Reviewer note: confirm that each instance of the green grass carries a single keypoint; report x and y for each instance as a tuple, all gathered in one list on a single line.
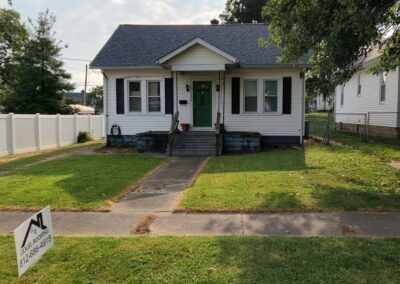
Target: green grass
[(385, 148), (317, 177), (12, 162), (209, 260), (75, 182)]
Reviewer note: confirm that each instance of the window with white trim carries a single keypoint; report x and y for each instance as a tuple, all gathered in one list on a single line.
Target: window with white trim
[(135, 96), (250, 95), (382, 92), (153, 96), (270, 96), (359, 85), (341, 95)]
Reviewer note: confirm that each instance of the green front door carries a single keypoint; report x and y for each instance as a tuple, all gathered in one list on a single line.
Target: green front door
[(202, 104)]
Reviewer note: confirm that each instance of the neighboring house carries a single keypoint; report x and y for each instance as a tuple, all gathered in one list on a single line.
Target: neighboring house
[(319, 103), (83, 110), (231, 93), (370, 100), (82, 104), (78, 97)]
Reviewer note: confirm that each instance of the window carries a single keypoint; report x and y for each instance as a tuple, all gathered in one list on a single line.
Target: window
[(270, 96), (382, 93), (153, 96), (359, 85), (250, 95), (341, 95), (135, 97)]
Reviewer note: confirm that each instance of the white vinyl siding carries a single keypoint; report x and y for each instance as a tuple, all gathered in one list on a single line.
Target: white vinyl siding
[(370, 100), (382, 90), (269, 124)]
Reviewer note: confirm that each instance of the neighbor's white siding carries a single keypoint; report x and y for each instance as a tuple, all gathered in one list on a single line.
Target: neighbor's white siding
[(354, 105), (274, 124)]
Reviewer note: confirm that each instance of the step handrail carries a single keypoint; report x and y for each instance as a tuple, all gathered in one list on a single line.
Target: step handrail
[(172, 132)]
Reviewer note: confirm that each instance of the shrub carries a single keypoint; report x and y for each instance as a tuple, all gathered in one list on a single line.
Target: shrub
[(84, 136)]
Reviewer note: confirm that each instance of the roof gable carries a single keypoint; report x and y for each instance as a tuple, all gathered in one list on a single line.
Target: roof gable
[(195, 47)]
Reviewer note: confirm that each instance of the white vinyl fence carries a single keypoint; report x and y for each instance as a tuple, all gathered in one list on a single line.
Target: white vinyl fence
[(30, 132)]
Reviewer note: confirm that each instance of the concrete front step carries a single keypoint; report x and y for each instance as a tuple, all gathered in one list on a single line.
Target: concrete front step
[(193, 152)]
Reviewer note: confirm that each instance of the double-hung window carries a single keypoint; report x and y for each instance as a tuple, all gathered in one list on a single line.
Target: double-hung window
[(382, 93), (270, 96), (135, 96), (250, 95), (153, 96)]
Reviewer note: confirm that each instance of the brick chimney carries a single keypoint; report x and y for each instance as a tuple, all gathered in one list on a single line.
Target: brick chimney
[(214, 22)]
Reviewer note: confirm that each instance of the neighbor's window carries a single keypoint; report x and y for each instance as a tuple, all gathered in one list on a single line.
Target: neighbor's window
[(250, 95), (135, 97), (153, 96), (270, 96), (382, 94), (341, 95), (359, 85)]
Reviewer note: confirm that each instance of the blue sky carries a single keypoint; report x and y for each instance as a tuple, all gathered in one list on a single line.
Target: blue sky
[(85, 25)]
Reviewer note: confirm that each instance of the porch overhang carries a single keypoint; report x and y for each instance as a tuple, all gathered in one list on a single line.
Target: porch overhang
[(198, 67)]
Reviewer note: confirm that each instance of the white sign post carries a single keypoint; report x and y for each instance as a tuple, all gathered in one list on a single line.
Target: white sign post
[(33, 238)]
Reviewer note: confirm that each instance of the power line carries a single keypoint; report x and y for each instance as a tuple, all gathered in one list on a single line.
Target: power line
[(76, 59), (73, 68)]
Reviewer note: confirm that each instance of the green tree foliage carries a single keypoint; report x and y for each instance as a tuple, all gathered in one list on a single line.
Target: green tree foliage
[(96, 96), (40, 77), (13, 35), (243, 11), (338, 32)]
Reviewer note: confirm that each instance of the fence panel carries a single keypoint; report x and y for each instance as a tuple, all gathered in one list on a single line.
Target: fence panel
[(26, 132)]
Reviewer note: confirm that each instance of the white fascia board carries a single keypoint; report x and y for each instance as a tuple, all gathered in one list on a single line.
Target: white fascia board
[(192, 43), (198, 67)]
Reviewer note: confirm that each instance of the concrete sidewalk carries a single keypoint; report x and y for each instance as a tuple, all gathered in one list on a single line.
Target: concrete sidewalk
[(286, 224)]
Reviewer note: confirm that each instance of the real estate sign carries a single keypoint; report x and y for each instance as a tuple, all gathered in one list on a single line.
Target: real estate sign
[(33, 238)]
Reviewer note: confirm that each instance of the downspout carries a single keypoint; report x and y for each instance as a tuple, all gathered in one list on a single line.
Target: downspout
[(105, 102), (223, 102), (303, 105), (398, 100)]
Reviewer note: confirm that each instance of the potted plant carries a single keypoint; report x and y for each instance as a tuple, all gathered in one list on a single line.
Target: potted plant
[(185, 127)]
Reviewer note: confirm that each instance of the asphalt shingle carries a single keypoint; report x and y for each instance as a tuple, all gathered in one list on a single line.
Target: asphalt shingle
[(143, 45)]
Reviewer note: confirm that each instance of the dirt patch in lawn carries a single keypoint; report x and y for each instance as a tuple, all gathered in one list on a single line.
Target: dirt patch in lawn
[(116, 150), (395, 164)]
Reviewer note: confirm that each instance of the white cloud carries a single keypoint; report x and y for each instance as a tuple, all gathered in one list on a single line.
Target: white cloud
[(86, 25), (118, 2)]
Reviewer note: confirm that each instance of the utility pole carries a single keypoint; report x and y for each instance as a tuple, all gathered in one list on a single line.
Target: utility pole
[(84, 95)]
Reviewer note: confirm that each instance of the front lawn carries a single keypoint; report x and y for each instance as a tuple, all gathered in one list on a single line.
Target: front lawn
[(80, 182), (315, 178), (209, 260)]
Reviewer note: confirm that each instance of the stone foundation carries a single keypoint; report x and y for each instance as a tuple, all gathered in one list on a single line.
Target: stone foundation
[(280, 141), (241, 142)]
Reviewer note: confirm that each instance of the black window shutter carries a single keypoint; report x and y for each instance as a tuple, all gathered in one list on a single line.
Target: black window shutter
[(169, 96), (120, 96), (235, 95), (287, 95)]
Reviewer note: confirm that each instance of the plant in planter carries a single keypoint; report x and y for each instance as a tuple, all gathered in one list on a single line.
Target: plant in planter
[(185, 127)]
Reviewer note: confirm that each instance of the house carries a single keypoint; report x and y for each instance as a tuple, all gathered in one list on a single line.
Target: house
[(76, 97), (319, 103), (369, 103), (230, 93)]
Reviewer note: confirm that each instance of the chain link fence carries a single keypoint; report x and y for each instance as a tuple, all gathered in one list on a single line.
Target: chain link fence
[(347, 127)]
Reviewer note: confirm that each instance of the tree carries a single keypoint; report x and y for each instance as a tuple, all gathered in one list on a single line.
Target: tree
[(96, 96), (40, 77), (243, 11), (339, 33), (13, 36)]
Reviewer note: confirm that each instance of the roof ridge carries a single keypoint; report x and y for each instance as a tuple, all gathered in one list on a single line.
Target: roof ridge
[(192, 25)]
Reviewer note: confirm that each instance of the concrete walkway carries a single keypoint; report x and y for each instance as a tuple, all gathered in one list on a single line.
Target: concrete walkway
[(157, 195)]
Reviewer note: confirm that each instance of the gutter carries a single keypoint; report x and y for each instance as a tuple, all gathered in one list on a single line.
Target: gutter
[(105, 103), (303, 105)]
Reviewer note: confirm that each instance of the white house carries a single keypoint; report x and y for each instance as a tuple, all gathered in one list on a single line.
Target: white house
[(222, 85), (368, 99), (319, 103)]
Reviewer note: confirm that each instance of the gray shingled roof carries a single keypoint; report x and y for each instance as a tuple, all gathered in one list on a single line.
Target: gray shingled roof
[(143, 45)]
